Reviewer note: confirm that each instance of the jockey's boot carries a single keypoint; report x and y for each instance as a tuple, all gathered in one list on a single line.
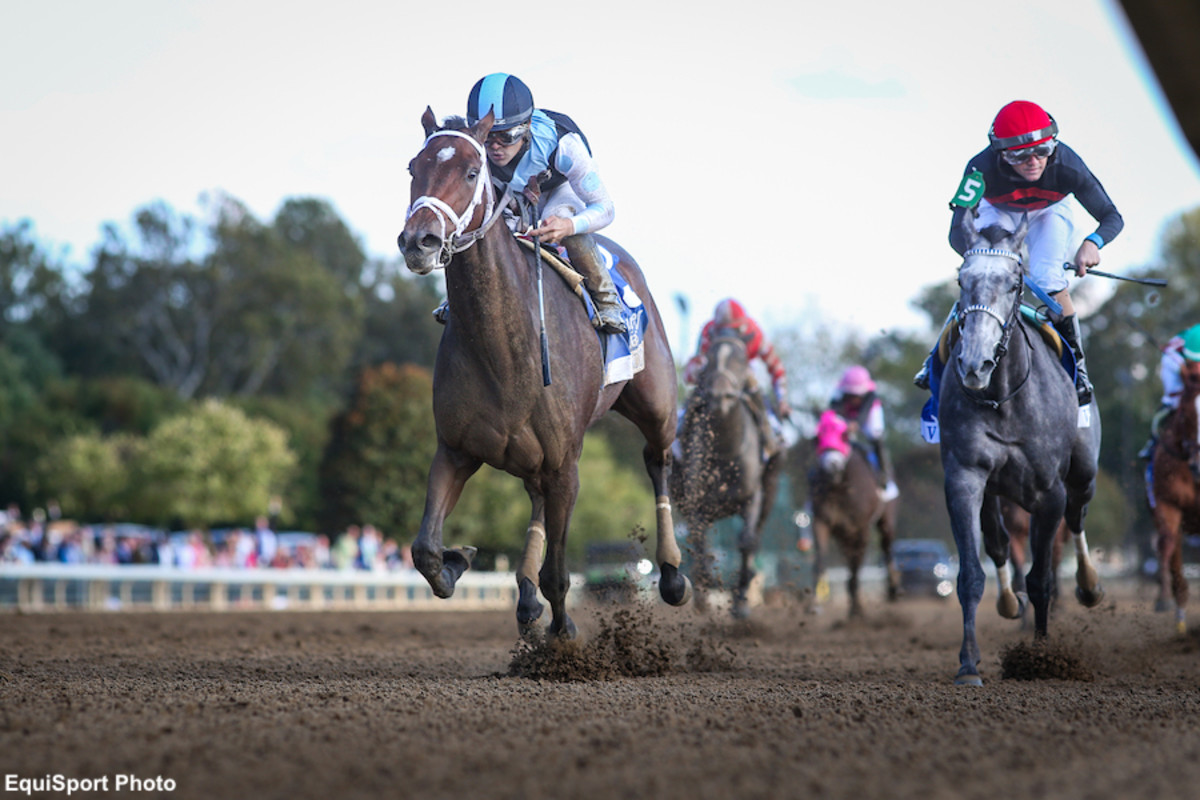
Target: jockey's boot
[(921, 379), (587, 260), (441, 312), (1068, 329), (885, 476)]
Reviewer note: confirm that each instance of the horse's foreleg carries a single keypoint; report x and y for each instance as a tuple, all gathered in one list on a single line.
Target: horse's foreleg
[(1171, 581), (560, 494), (964, 498), (529, 610), (887, 535), (820, 583), (1088, 590), (441, 567), (747, 546), (673, 585), (1043, 528)]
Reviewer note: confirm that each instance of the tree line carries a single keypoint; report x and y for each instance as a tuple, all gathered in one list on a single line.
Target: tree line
[(198, 372)]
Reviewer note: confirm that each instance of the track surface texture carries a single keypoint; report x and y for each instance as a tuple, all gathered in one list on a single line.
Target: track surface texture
[(650, 702)]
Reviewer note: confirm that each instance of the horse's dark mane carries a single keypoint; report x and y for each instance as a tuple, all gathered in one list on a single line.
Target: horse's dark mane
[(454, 123)]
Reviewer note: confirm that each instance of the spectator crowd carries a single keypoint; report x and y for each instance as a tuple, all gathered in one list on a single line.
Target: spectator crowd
[(45, 537)]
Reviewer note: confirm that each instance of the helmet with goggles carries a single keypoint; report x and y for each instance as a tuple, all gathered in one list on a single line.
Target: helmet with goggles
[(1191, 343), (506, 96), (1023, 129)]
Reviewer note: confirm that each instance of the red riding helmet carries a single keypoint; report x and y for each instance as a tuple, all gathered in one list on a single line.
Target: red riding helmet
[(729, 312), (1021, 124)]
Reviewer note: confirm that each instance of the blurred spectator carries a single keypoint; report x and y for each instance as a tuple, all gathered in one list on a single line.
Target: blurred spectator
[(264, 539), (370, 556), (14, 549), (345, 550), (106, 549)]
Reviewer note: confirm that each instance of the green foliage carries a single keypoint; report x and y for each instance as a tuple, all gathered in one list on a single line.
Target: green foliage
[(375, 466), (212, 464), (91, 474)]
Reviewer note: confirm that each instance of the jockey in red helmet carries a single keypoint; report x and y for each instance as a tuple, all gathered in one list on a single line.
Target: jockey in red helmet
[(856, 402), (729, 314), (1026, 170)]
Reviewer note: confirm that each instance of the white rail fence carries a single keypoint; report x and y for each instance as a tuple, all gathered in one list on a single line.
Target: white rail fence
[(59, 587)]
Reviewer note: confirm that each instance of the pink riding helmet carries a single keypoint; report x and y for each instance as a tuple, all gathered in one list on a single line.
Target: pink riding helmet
[(856, 380)]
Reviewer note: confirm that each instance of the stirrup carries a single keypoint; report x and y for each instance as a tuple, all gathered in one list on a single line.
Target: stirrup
[(608, 320), (1084, 391)]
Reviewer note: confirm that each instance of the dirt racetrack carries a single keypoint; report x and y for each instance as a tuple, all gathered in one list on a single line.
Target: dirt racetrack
[(425, 705)]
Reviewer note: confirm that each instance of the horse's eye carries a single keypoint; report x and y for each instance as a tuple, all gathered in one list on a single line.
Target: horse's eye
[(410, 166), (472, 174)]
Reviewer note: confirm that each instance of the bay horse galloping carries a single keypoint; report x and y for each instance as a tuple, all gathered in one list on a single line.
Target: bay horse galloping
[(489, 399), (723, 469), (1176, 470), (846, 505), (1011, 426)]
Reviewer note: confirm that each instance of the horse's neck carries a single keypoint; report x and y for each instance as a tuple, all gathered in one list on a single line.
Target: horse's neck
[(1186, 426), (491, 292)]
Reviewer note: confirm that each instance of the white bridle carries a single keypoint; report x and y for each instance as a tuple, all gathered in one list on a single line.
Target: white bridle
[(977, 307), (445, 213)]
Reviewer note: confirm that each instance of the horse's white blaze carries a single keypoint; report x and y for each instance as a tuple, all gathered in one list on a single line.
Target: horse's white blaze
[(445, 154)]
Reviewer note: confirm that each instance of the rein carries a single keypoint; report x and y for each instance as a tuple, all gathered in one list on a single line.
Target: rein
[(1006, 325), (460, 239)]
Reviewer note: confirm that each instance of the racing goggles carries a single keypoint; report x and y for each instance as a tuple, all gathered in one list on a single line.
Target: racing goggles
[(1022, 154), (508, 137)]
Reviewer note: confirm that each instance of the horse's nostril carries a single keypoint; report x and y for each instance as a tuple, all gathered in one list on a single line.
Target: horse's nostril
[(431, 242)]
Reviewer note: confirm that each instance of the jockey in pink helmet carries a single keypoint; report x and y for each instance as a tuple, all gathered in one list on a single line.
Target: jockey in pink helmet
[(856, 402), (730, 315)]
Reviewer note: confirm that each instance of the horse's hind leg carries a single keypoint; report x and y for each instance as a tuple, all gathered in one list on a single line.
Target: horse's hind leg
[(441, 567), (673, 585), (996, 545)]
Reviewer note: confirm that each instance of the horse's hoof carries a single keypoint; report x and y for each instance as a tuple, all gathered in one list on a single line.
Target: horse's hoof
[(1008, 605), (529, 610), (1181, 628), (1161, 605), (1089, 599), (741, 610), (968, 679), (673, 585), (564, 630)]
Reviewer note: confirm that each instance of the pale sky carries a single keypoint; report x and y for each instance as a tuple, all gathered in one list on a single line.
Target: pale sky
[(798, 156)]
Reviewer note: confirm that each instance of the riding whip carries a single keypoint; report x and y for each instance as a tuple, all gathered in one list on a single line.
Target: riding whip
[(537, 250), (1093, 271)]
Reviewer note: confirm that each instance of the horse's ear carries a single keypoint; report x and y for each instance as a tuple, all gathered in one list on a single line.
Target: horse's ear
[(968, 227), (481, 129), (1019, 234), (429, 121)]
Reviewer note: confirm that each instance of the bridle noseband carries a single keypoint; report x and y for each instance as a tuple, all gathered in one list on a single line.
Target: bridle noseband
[(460, 239)]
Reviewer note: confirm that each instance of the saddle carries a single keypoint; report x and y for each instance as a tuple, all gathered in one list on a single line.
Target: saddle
[(624, 353)]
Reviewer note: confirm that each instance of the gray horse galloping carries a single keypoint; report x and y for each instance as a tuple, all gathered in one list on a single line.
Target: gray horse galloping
[(1011, 427)]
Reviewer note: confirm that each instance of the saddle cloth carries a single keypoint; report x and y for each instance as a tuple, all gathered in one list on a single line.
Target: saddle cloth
[(624, 353), (930, 428)]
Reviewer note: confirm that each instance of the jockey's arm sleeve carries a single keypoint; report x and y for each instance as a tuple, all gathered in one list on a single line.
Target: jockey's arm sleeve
[(577, 164)]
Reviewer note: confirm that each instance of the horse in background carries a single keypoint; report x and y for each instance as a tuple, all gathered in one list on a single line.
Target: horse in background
[(1176, 506), (846, 505), (1011, 426), (723, 467), (493, 400)]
